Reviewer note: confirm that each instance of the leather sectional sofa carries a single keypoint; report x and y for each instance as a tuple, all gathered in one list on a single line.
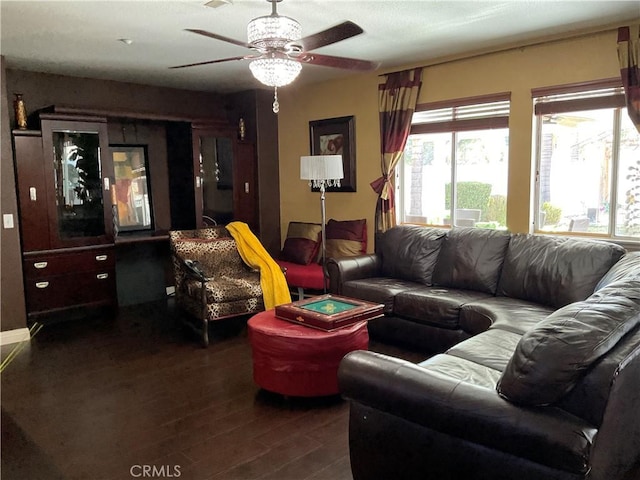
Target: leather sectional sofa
[(539, 371)]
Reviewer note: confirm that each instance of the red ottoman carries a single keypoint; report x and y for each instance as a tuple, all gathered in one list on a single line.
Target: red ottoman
[(300, 361)]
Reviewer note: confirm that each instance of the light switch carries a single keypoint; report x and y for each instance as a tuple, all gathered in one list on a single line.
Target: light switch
[(7, 220)]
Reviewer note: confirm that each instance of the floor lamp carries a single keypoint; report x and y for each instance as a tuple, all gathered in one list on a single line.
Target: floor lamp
[(322, 171)]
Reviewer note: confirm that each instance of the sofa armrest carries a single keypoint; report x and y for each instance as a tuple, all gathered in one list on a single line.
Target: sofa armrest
[(460, 409), (343, 269)]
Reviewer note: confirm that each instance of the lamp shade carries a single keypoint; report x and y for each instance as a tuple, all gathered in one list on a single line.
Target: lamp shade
[(321, 167)]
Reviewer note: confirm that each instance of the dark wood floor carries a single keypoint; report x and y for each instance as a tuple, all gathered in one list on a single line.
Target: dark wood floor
[(105, 398)]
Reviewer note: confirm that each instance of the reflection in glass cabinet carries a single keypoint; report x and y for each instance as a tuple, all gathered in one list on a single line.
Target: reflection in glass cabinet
[(78, 184), (131, 187), (216, 168)]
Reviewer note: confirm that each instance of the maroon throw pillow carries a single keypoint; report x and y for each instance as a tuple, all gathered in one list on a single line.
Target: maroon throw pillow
[(299, 250), (346, 238)]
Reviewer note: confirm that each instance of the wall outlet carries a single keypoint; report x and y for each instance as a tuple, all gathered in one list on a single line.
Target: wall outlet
[(171, 290), (7, 220)]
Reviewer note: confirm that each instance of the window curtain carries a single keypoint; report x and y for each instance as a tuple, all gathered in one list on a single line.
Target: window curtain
[(628, 54), (397, 97)]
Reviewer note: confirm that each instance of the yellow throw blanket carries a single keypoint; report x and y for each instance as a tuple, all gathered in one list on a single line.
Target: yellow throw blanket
[(275, 290)]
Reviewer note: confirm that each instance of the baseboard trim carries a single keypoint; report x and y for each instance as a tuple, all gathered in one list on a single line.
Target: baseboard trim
[(14, 336)]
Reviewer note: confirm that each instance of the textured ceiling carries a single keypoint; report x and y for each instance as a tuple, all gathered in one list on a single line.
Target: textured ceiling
[(81, 38)]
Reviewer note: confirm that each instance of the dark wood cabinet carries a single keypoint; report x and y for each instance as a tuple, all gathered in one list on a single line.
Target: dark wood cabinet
[(32, 191), (64, 179), (65, 176), (69, 277), (225, 181), (246, 186)]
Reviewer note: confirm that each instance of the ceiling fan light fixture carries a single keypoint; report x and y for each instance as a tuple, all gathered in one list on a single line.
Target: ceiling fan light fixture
[(275, 71), (279, 49), (273, 31)]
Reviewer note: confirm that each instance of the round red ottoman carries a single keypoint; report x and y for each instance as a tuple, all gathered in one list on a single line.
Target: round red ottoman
[(300, 361)]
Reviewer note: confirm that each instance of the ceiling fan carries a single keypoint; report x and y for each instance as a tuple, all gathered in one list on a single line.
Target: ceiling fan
[(279, 50)]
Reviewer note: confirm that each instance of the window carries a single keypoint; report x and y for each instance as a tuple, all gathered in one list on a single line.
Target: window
[(587, 162), (455, 164)]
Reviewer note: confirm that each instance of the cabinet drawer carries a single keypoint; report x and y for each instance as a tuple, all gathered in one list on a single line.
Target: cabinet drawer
[(62, 291), (38, 266)]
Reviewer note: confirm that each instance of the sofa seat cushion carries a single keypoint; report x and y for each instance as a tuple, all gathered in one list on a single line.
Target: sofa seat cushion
[(492, 349), (555, 271), (510, 314), (303, 276), (471, 259), (435, 306), (215, 311), (410, 252), (551, 357), (378, 290), (224, 288)]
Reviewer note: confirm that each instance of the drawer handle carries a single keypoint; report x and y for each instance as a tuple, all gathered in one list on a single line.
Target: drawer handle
[(102, 276), (42, 284), (40, 264), (101, 258)]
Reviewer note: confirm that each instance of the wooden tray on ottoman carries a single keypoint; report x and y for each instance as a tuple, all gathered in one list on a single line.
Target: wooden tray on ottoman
[(328, 312)]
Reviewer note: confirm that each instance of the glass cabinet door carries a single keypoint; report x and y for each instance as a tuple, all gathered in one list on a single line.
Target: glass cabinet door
[(214, 152), (225, 177), (78, 184), (216, 168), (81, 210)]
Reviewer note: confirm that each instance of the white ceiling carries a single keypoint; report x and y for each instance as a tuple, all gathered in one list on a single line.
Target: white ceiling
[(80, 38)]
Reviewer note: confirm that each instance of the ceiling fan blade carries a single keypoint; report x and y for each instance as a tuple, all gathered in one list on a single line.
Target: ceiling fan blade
[(215, 36), (211, 61), (337, 62), (330, 35)]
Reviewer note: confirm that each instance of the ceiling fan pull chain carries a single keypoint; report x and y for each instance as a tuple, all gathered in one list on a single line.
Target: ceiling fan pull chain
[(276, 105)]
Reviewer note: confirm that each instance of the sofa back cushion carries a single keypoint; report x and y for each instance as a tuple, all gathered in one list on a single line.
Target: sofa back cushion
[(410, 252), (590, 397), (217, 256), (555, 271), (207, 233), (627, 267), (550, 358), (471, 259)]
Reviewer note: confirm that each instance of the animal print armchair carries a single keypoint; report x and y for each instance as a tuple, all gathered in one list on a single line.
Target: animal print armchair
[(212, 282)]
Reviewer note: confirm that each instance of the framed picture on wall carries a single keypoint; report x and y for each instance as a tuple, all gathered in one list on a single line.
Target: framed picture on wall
[(336, 136), (131, 192)]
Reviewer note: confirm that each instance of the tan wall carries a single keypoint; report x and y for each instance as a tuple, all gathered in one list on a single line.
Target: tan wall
[(516, 71)]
